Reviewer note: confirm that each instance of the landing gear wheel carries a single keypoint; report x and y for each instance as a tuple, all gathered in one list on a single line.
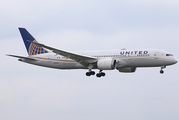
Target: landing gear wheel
[(102, 74), (88, 74), (92, 73), (161, 71), (98, 75)]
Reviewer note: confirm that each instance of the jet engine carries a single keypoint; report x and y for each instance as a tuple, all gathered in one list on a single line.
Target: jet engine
[(106, 64), (127, 69)]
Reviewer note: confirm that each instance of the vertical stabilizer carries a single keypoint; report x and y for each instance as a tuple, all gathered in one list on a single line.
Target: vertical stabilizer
[(32, 49)]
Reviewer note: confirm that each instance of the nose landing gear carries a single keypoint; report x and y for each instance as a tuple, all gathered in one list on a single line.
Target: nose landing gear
[(161, 71)]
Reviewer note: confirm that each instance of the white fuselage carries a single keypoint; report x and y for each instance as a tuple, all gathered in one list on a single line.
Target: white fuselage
[(124, 58)]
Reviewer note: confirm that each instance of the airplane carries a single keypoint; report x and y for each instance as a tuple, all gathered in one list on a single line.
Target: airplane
[(123, 60)]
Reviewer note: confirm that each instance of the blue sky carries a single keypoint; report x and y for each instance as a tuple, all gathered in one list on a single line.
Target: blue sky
[(32, 92)]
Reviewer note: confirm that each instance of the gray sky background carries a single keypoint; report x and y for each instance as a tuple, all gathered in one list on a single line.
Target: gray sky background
[(31, 92)]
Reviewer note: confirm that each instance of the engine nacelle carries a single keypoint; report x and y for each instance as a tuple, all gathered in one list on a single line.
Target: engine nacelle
[(106, 64), (127, 69)]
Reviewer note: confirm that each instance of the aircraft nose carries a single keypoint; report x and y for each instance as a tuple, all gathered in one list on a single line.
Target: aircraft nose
[(175, 61)]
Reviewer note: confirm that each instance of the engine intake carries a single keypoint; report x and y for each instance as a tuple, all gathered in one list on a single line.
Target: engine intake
[(106, 64)]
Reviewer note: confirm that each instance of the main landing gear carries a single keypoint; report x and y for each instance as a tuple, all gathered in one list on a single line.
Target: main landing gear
[(90, 73), (161, 71), (100, 74)]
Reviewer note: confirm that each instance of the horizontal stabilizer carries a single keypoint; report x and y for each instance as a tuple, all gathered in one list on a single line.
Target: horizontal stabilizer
[(22, 57)]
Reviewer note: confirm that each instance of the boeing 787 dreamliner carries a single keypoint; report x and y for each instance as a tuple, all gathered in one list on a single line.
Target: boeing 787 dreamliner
[(124, 60)]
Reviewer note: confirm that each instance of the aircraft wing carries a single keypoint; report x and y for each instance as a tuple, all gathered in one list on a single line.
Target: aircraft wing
[(27, 58), (85, 60)]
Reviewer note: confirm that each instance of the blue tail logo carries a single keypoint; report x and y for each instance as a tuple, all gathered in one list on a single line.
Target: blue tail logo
[(32, 49)]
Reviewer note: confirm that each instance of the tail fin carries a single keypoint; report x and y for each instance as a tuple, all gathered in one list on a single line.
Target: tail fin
[(32, 49)]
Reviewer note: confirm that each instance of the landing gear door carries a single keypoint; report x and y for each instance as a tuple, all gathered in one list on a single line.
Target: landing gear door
[(156, 55)]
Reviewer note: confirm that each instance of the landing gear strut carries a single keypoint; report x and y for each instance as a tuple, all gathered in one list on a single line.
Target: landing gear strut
[(161, 71), (100, 74)]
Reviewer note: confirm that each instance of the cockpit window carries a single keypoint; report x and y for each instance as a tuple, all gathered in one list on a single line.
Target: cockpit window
[(169, 55)]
